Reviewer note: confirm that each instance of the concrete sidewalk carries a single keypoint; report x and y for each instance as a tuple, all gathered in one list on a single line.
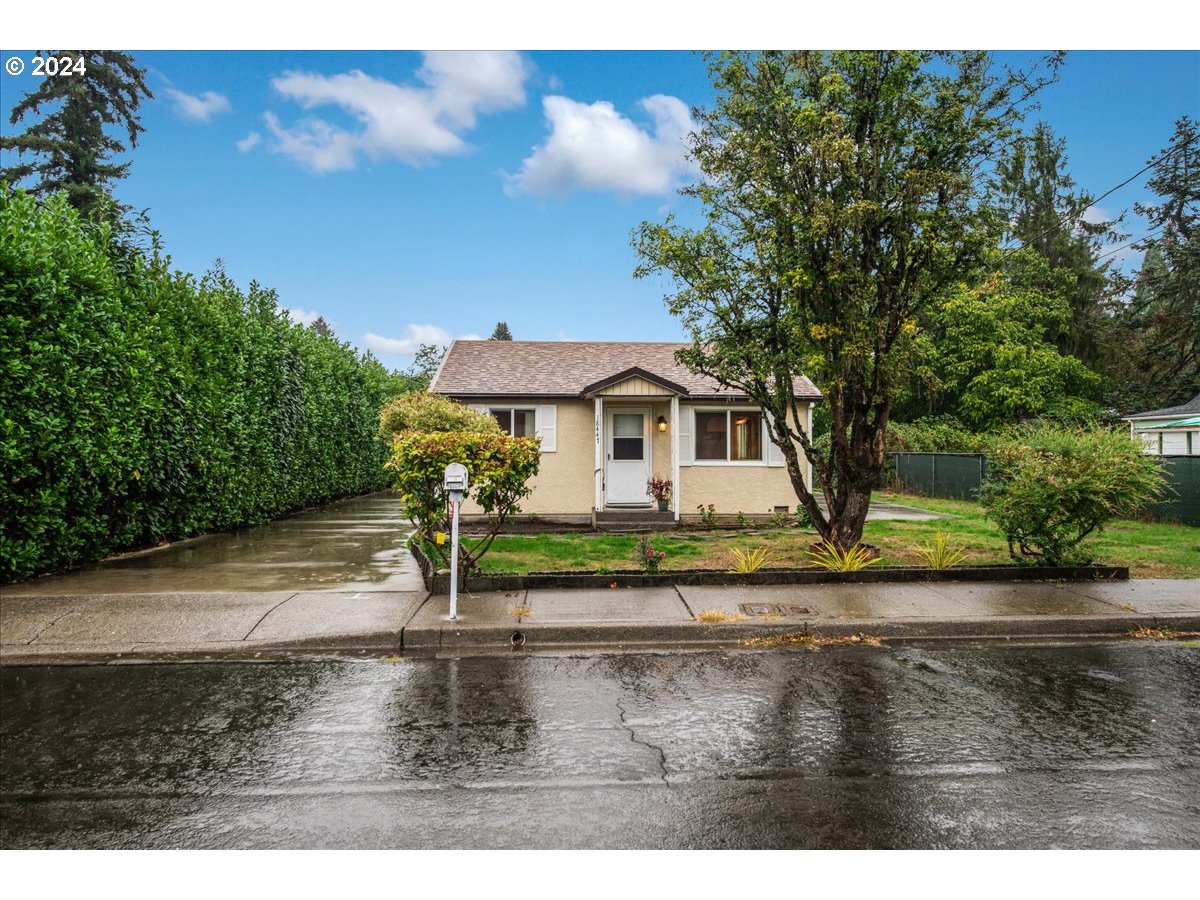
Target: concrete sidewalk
[(39, 628), (671, 615)]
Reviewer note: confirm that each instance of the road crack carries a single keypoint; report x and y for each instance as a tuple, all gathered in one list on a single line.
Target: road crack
[(662, 756), (44, 629), (267, 613)]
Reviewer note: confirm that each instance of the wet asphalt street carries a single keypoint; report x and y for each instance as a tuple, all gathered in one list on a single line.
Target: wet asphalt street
[(1079, 746)]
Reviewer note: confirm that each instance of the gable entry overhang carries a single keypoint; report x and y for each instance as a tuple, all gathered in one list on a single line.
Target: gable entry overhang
[(633, 373)]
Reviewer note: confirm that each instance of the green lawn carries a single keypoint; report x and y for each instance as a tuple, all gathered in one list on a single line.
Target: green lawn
[(1150, 550)]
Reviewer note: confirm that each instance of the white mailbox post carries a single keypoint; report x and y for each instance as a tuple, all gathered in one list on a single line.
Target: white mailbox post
[(455, 483)]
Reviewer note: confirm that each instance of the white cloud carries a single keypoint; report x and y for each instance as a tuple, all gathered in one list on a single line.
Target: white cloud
[(303, 316), (414, 336), (249, 142), (199, 107), (594, 147), (411, 123), (1094, 215)]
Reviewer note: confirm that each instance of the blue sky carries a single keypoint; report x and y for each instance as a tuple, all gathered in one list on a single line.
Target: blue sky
[(411, 198)]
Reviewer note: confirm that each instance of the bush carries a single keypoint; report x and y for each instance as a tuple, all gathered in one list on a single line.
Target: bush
[(422, 411), (1048, 488), (139, 405), (648, 557), (499, 468), (932, 435)]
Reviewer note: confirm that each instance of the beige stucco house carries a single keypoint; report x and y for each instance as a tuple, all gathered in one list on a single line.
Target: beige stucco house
[(612, 415)]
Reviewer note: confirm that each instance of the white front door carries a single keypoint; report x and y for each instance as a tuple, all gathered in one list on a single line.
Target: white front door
[(627, 457)]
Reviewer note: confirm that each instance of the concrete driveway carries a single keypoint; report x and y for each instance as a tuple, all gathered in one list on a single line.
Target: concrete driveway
[(338, 577)]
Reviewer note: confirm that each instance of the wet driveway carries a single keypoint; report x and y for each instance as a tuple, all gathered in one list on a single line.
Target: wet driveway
[(350, 545), (1080, 746)]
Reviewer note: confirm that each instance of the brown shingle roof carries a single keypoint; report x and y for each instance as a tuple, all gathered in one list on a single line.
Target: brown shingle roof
[(566, 368)]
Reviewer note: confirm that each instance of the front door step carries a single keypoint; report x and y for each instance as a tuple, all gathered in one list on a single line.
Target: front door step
[(629, 519)]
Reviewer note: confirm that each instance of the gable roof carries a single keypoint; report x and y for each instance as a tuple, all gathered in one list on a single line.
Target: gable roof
[(1192, 407), (574, 369)]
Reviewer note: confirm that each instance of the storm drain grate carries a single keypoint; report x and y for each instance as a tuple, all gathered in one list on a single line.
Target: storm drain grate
[(772, 609)]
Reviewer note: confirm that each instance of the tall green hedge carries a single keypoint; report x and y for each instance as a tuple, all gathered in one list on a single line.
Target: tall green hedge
[(139, 404)]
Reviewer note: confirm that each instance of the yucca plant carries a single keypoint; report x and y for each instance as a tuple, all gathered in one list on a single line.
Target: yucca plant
[(939, 554), (830, 556), (746, 562)]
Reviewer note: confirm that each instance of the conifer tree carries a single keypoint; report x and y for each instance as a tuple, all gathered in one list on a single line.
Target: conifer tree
[(69, 148)]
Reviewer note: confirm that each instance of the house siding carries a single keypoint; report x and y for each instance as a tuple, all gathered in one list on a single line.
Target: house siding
[(634, 387), (753, 490), (1174, 441), (564, 488)]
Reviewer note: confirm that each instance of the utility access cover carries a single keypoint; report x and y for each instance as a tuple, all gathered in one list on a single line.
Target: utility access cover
[(773, 609)]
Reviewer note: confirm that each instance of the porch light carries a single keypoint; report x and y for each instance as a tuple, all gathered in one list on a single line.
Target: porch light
[(662, 423)]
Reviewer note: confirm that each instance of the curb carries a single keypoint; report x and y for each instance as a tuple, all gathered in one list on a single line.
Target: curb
[(499, 639)]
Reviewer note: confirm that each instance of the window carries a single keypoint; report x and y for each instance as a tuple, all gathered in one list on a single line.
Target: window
[(517, 422), (745, 436), (729, 436), (627, 441)]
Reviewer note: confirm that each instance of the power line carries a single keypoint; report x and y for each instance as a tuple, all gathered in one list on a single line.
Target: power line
[(1148, 234), (1063, 220)]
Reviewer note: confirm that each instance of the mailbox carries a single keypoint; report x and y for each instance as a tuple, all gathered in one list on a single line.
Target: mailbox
[(455, 480)]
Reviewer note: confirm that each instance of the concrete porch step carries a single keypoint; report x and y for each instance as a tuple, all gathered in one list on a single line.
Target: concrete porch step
[(634, 515), (631, 519)]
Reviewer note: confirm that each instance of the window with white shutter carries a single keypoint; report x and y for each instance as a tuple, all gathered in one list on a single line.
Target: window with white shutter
[(683, 433), (547, 427)]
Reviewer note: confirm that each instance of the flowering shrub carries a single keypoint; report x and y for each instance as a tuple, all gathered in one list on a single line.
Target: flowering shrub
[(500, 468), (647, 556), (659, 488)]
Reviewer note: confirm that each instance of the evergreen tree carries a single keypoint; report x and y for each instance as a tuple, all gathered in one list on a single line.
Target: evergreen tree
[(1157, 336), (72, 148), (322, 328), (1046, 214), (501, 332)]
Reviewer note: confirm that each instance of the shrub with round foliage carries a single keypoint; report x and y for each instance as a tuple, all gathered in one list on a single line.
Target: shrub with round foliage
[(422, 411), (499, 469), (1048, 488)]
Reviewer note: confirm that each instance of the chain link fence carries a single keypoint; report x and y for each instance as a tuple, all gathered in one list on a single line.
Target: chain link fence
[(954, 476), (957, 476), (1182, 500)]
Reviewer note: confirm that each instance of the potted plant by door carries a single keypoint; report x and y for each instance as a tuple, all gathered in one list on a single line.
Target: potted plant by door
[(660, 490)]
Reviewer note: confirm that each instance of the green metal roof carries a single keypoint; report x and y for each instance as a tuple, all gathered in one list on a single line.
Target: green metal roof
[(1193, 422)]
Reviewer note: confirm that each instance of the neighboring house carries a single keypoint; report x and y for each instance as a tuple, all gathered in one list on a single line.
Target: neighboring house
[(1174, 431), (612, 415)]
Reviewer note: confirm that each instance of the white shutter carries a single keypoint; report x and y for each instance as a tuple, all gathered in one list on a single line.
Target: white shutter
[(547, 427), (683, 433), (774, 453)]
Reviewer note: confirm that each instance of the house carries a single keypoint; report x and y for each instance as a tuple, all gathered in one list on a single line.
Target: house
[(612, 415), (1174, 431)]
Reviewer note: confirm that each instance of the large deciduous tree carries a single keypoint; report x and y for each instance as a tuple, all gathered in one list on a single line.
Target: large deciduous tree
[(71, 148), (986, 352), (842, 192)]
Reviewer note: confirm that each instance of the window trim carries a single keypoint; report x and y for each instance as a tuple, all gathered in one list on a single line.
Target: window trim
[(761, 462), (491, 410)]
